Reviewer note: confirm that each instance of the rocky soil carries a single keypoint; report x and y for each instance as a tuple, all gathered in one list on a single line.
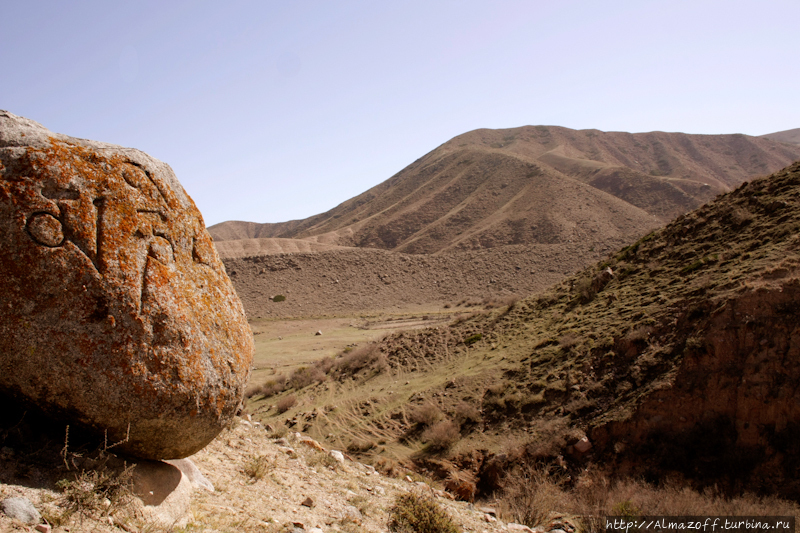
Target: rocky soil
[(251, 480), (352, 281)]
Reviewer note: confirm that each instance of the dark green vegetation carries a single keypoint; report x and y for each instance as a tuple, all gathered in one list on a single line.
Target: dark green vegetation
[(676, 357)]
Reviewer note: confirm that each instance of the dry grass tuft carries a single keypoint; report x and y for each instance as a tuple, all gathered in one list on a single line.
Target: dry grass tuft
[(531, 493), (258, 466), (413, 513), (98, 492)]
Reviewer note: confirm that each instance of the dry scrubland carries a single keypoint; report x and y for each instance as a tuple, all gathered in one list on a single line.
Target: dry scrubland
[(707, 304)]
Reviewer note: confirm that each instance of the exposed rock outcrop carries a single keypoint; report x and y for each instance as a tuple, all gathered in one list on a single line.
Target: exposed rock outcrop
[(117, 312)]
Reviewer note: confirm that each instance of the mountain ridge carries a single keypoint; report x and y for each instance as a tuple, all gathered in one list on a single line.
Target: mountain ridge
[(534, 184)]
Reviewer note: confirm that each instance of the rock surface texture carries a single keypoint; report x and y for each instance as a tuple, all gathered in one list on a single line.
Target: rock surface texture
[(117, 314)]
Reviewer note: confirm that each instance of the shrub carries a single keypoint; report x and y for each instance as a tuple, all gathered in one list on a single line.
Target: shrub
[(286, 403), (584, 289), (303, 377), (412, 513), (355, 360), (467, 413), (269, 388), (530, 494), (325, 364), (425, 415), (442, 435), (257, 466), (278, 298)]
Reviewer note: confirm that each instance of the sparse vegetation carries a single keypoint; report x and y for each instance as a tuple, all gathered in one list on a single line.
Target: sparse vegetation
[(304, 376), (532, 492), (271, 387), (467, 413), (425, 415), (286, 403), (258, 466), (441, 435), (100, 491), (413, 513)]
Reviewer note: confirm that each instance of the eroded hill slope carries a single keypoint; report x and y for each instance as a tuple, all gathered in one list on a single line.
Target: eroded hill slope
[(535, 185)]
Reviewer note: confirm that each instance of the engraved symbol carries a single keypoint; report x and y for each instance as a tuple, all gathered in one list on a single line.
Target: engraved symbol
[(45, 229)]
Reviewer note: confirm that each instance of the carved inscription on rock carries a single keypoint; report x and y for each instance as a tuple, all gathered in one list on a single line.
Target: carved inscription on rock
[(118, 309)]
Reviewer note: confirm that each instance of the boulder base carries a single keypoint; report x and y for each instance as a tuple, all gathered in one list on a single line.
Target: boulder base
[(117, 314)]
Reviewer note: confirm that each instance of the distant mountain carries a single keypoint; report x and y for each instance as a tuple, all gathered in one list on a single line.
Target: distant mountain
[(535, 185), (788, 136)]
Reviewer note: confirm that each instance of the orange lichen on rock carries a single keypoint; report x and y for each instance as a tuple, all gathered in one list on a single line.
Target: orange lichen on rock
[(131, 317)]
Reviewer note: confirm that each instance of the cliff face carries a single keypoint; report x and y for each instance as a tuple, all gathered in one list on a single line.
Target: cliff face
[(731, 412)]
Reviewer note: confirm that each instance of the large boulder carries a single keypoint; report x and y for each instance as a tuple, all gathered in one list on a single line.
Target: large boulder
[(116, 312)]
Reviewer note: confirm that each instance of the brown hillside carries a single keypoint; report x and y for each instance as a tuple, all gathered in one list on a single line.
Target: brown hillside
[(678, 358), (788, 136), (352, 281), (536, 185)]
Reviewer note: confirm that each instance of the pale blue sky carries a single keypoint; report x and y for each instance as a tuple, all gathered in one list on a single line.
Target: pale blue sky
[(277, 110)]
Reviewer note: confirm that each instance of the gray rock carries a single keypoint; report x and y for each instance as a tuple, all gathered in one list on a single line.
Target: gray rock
[(352, 513), (165, 493), (190, 470), (336, 454), (21, 509), (113, 295)]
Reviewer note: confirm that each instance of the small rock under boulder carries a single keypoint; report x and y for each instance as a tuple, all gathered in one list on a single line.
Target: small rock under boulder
[(117, 314), (21, 509)]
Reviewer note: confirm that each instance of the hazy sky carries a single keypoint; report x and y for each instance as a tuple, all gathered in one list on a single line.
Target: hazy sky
[(277, 110)]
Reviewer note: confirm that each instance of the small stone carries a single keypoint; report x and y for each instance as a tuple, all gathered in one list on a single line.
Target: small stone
[(583, 445), (488, 510), (288, 451), (21, 509), (339, 456), (311, 443), (43, 528), (319, 332), (519, 527), (308, 502), (351, 512)]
